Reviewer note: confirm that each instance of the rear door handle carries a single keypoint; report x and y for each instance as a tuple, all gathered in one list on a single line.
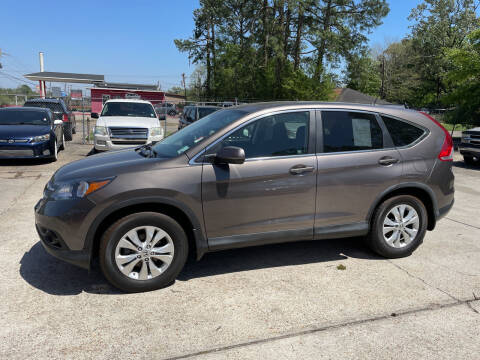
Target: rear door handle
[(387, 160), (300, 169)]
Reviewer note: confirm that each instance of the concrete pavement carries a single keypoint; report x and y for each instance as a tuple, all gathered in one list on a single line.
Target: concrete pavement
[(282, 301)]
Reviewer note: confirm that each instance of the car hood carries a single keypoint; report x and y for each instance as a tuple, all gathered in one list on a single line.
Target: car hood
[(128, 121), (109, 164), (22, 131)]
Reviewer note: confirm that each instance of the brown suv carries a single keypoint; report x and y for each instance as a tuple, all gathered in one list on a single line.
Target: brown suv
[(251, 175)]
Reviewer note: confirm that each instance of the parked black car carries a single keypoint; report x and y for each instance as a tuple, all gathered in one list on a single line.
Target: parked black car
[(470, 146), (60, 112), (251, 175), (30, 133), (194, 113)]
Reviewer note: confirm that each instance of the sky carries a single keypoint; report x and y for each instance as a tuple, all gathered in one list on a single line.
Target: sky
[(127, 41)]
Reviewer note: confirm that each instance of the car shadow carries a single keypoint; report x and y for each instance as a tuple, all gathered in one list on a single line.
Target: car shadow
[(24, 162), (463, 165), (277, 255), (56, 277)]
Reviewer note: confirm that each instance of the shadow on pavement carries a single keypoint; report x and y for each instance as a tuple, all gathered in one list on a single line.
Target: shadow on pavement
[(56, 277), (463, 165), (278, 255), (24, 162)]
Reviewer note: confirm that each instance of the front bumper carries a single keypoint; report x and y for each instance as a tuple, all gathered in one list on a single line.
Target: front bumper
[(25, 150), (105, 143), (62, 226), (469, 149)]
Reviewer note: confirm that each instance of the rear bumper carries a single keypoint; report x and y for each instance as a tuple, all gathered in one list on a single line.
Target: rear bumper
[(444, 210), (469, 149)]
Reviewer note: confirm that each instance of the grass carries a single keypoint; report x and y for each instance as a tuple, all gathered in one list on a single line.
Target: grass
[(341, 267)]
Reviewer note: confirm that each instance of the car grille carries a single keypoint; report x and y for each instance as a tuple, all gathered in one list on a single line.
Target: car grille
[(4, 153), (129, 142), (128, 133)]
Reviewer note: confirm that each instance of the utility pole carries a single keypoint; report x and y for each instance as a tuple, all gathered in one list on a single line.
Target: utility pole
[(42, 69), (184, 86)]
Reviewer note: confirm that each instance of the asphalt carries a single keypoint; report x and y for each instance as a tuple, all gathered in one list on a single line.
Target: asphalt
[(286, 301)]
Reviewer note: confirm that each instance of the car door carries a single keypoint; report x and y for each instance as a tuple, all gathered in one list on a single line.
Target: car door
[(357, 162), (271, 196)]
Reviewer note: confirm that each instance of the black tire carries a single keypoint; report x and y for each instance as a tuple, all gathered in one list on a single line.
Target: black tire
[(54, 156), (67, 129), (74, 129), (62, 147), (469, 160), (375, 238), (117, 230)]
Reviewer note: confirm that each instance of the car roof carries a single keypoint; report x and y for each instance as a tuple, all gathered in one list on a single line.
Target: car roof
[(286, 105), (26, 108), (46, 100), (129, 101)]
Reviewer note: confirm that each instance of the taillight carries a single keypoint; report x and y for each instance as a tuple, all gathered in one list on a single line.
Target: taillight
[(65, 118), (446, 152)]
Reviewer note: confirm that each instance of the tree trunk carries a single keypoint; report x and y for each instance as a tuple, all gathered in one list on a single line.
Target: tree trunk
[(298, 40), (323, 44), (265, 33)]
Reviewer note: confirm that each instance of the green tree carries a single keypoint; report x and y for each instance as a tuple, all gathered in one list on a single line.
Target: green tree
[(465, 79), (276, 49), (362, 74)]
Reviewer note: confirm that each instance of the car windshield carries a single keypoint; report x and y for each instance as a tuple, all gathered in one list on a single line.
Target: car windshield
[(23, 117), (202, 112), (196, 133), (128, 109)]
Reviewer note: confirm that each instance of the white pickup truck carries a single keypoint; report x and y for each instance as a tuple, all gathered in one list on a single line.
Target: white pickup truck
[(125, 123)]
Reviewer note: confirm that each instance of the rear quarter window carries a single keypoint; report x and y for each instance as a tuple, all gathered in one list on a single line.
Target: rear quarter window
[(401, 132)]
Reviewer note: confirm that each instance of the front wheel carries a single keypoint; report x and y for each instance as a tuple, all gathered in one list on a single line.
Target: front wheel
[(143, 251), (398, 227), (54, 151)]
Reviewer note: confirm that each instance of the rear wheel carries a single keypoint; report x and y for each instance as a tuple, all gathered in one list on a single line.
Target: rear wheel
[(143, 251), (470, 160), (399, 226), (67, 129)]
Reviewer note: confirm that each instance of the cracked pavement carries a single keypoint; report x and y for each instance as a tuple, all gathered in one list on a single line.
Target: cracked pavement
[(285, 301)]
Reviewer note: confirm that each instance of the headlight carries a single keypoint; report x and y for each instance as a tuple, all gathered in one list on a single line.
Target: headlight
[(156, 131), (41, 138), (101, 130), (74, 190)]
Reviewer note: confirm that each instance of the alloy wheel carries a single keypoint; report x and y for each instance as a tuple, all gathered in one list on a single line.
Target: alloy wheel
[(400, 226), (144, 252)]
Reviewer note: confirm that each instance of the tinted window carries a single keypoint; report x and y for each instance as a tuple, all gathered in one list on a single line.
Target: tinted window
[(401, 132), (23, 117), (202, 112), (128, 109), (350, 131), (275, 135), (196, 133)]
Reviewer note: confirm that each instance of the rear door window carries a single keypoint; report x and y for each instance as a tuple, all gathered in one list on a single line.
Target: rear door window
[(402, 133), (350, 131)]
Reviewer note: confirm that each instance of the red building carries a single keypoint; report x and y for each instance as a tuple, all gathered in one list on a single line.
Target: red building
[(100, 95)]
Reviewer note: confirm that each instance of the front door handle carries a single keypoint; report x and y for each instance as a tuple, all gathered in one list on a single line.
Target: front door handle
[(300, 169), (387, 160)]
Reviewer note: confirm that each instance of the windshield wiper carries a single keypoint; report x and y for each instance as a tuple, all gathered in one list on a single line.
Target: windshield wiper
[(148, 147)]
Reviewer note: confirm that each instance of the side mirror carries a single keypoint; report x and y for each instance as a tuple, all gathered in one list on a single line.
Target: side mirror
[(58, 122), (94, 115), (230, 155)]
